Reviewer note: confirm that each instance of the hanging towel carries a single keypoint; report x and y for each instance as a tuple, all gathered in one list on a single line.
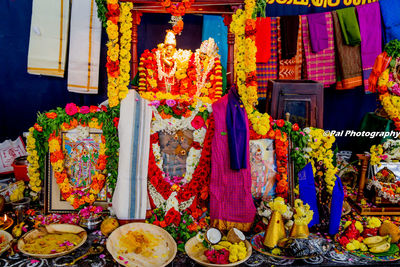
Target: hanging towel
[(382, 61), (348, 60), (48, 37), (319, 66), (318, 32), (290, 69), (236, 120), (390, 13), (336, 207), (231, 202), (130, 199), (214, 27), (349, 25), (84, 48), (268, 71), (263, 40), (369, 18), (308, 193), (290, 26)]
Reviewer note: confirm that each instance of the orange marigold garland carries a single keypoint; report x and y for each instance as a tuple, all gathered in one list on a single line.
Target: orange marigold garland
[(177, 10)]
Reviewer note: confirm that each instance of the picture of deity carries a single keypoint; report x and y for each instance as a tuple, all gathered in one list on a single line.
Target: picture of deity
[(81, 156), (263, 168)]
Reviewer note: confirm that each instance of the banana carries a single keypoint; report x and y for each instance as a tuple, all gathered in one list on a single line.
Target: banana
[(17, 230), (370, 241), (381, 248), (378, 244)]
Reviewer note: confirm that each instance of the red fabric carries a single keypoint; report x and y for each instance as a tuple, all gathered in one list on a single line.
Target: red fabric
[(263, 40)]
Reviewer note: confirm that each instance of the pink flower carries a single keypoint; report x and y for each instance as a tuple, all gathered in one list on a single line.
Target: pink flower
[(197, 122), (71, 109), (170, 102), (155, 103), (85, 110)]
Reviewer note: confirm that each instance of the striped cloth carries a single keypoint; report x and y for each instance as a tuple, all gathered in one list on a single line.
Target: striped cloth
[(130, 199), (319, 66), (84, 48), (48, 37), (231, 203), (371, 35), (290, 69), (268, 71)]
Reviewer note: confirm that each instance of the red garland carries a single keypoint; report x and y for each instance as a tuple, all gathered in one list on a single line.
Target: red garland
[(198, 186)]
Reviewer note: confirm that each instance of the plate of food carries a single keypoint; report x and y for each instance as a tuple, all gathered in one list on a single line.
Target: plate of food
[(292, 248), (141, 244), (5, 241), (52, 240), (371, 239), (215, 249)]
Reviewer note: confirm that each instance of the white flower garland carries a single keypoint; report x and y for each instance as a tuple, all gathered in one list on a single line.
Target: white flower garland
[(172, 125)]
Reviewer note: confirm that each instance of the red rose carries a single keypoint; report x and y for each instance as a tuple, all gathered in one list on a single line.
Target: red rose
[(116, 122), (280, 123), (172, 217), (344, 241), (177, 111), (94, 109), (197, 122), (295, 127), (103, 108)]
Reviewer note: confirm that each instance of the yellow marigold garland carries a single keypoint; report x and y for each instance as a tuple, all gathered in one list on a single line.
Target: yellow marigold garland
[(112, 59), (33, 167), (125, 51), (245, 66), (320, 149), (376, 152)]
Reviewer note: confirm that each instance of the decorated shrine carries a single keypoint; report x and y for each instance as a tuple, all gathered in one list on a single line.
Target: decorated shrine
[(200, 133)]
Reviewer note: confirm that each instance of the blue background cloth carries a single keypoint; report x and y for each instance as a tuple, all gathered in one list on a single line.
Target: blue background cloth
[(308, 193), (390, 10), (213, 26), (336, 206)]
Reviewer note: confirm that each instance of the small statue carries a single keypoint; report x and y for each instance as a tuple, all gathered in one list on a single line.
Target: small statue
[(166, 64), (205, 71)]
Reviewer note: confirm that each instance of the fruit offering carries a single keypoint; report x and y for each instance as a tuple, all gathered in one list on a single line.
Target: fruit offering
[(225, 249)]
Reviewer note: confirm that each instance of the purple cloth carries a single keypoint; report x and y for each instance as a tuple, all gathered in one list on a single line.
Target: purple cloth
[(369, 19), (236, 123), (318, 31)]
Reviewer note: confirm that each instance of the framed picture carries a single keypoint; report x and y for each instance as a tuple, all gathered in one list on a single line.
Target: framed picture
[(271, 168), (80, 159)]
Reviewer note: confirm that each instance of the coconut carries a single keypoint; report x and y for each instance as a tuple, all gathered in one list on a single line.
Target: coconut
[(213, 236), (235, 236)]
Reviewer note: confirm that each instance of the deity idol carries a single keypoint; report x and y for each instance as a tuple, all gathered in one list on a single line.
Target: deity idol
[(205, 71), (162, 69)]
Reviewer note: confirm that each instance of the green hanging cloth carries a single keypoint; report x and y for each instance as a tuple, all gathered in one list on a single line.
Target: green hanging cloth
[(349, 25)]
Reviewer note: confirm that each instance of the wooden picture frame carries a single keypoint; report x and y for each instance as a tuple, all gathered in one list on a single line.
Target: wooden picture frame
[(54, 203)]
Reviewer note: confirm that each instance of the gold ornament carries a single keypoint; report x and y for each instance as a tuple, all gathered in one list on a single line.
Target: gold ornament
[(275, 230), (299, 231)]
